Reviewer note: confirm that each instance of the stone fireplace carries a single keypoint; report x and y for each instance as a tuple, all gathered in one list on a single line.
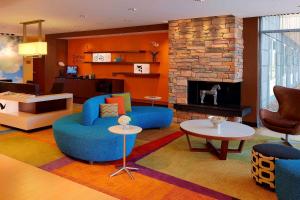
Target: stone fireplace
[(203, 49)]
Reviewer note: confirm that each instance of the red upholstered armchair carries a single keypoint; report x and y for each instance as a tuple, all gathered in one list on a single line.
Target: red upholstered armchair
[(287, 119)]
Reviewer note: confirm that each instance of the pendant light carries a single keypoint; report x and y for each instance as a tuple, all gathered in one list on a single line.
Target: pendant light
[(33, 49)]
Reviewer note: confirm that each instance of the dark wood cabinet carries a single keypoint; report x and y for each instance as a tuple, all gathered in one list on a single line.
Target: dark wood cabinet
[(84, 89)]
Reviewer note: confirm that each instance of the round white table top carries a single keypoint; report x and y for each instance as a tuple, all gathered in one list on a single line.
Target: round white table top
[(228, 130), (153, 98), (129, 130)]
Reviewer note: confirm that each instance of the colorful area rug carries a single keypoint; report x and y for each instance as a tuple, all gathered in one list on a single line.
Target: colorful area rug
[(167, 169), (232, 177)]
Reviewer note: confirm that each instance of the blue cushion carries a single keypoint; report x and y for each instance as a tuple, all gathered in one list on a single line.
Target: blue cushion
[(287, 179), (277, 150)]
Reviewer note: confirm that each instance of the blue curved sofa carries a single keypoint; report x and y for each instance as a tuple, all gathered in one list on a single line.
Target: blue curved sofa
[(85, 135)]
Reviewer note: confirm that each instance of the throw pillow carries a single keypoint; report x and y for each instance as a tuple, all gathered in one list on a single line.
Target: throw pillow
[(109, 110), (127, 100), (119, 101)]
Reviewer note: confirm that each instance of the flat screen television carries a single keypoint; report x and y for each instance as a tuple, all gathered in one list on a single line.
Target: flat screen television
[(72, 70)]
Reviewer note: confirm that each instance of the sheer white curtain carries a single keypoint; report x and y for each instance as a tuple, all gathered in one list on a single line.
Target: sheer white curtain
[(280, 55)]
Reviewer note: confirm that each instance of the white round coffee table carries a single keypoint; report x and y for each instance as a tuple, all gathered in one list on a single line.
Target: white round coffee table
[(153, 99), (124, 130), (228, 131)]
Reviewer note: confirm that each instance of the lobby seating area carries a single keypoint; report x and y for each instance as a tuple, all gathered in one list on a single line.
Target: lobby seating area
[(142, 100)]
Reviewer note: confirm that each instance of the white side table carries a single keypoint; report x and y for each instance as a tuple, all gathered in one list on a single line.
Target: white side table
[(124, 130), (153, 99)]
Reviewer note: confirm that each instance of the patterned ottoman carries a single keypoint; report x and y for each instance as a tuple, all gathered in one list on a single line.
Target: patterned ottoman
[(263, 162)]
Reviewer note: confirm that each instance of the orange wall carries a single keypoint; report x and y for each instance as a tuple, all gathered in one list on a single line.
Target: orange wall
[(138, 87)]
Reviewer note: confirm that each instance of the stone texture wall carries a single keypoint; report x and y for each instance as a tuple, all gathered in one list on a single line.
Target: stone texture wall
[(204, 49)]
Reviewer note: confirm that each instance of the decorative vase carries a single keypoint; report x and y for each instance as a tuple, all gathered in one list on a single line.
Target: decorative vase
[(124, 121), (217, 121), (154, 56)]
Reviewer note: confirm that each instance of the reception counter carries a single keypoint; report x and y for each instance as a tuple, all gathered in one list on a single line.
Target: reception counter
[(27, 111)]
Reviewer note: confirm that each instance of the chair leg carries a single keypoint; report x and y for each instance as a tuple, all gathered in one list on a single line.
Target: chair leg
[(286, 140)]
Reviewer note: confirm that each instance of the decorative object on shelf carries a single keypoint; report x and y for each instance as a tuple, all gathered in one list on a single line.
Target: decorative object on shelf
[(118, 59), (213, 92), (33, 49), (124, 120), (141, 68), (217, 120), (101, 57), (90, 76), (154, 52)]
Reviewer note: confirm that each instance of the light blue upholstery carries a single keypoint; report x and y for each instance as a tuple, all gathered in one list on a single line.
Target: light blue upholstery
[(287, 179), (85, 135)]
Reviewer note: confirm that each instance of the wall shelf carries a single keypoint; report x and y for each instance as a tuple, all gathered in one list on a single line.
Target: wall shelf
[(122, 63), (131, 74), (138, 51)]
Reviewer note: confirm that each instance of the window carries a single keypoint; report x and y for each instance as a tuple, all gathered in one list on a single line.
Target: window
[(280, 55)]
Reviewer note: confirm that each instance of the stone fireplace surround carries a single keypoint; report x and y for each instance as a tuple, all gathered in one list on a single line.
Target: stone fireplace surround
[(203, 49)]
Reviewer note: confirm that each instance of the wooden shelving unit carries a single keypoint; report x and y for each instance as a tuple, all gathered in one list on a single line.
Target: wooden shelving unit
[(138, 51), (122, 63), (128, 74), (131, 74)]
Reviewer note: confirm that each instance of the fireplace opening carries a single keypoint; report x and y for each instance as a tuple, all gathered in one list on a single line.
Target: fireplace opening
[(214, 93)]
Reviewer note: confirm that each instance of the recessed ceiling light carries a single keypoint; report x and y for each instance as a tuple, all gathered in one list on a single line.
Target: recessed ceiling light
[(201, 1), (132, 9)]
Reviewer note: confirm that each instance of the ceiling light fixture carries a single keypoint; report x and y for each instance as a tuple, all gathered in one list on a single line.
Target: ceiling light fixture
[(201, 1), (33, 49)]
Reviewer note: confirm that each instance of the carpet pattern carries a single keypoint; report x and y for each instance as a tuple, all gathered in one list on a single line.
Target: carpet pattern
[(167, 169), (231, 177), (27, 150)]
